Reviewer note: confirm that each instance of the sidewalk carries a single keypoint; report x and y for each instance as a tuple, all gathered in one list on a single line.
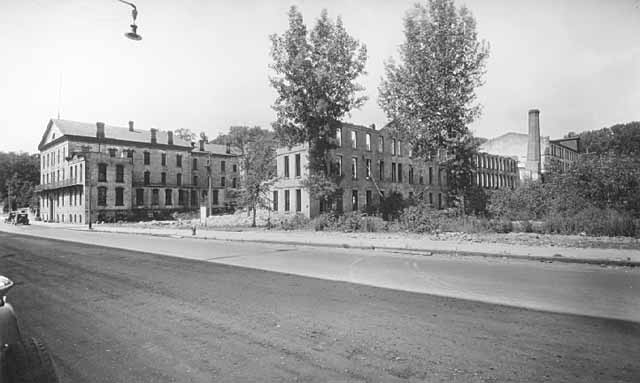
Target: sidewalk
[(396, 242)]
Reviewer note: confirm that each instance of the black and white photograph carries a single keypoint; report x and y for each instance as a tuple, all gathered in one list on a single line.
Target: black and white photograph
[(362, 191)]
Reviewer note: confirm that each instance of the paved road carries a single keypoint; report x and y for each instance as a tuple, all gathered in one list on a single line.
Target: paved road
[(112, 315), (565, 288)]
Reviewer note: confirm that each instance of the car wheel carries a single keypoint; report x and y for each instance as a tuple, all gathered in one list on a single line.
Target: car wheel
[(31, 363)]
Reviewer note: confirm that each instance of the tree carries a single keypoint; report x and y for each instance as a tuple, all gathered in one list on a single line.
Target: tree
[(430, 94), (257, 149), (315, 78), (19, 173), (186, 134)]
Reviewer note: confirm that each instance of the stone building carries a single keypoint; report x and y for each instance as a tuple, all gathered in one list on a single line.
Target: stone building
[(116, 173), (495, 171), (535, 155), (370, 163)]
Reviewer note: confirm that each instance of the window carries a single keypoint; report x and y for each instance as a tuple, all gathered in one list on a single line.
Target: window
[(222, 181), (367, 141), (286, 166), (298, 200), (354, 139), (163, 159), (147, 158), (235, 168), (431, 199), (63, 175), (147, 178), (179, 179), (195, 181), (80, 172), (167, 197), (399, 172), (180, 197), (163, 178), (368, 170), (102, 196), (234, 182), (102, 173), (194, 198), (430, 175), (119, 196), (339, 137), (339, 164), (286, 200), (399, 151), (139, 197), (179, 160), (275, 200), (394, 176), (381, 170), (410, 174), (223, 166), (354, 168), (71, 172), (194, 165), (421, 178), (214, 197), (439, 200), (354, 200), (393, 147), (155, 197), (367, 198), (119, 173), (297, 165), (112, 152), (129, 153)]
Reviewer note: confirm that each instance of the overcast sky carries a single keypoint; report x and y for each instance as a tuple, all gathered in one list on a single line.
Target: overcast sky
[(203, 65)]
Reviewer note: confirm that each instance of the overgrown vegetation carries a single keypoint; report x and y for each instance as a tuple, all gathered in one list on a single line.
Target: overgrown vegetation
[(19, 174)]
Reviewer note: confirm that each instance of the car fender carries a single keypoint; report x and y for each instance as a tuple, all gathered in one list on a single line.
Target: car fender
[(9, 332)]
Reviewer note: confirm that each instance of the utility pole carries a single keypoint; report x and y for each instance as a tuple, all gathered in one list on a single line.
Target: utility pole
[(210, 192)]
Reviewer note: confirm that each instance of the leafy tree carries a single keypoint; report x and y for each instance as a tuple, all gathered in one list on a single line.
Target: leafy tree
[(315, 78), (257, 149), (186, 134), (430, 94), (19, 173), (621, 139)]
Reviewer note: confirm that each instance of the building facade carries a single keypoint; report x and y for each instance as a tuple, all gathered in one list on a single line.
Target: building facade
[(368, 163), (113, 173), (496, 172), (535, 154)]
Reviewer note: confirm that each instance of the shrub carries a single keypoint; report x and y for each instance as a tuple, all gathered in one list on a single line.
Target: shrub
[(349, 222), (594, 221), (293, 222)]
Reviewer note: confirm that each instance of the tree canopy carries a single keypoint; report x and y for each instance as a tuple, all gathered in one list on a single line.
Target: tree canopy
[(19, 172), (429, 95), (314, 75), (620, 139)]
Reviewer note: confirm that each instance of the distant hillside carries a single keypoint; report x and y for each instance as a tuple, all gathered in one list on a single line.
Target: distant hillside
[(623, 139)]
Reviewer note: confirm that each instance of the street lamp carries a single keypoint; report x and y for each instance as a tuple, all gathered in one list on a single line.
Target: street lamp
[(133, 35)]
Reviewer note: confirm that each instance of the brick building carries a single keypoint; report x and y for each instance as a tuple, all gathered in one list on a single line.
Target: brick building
[(495, 171), (370, 163), (121, 173)]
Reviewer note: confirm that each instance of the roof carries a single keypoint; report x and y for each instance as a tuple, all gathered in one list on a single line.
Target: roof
[(220, 149), (86, 129)]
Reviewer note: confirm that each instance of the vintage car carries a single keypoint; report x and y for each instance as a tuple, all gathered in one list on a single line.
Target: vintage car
[(22, 359), (19, 217)]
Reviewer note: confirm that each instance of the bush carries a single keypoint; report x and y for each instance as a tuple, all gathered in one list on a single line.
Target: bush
[(594, 221), (349, 222), (293, 222)]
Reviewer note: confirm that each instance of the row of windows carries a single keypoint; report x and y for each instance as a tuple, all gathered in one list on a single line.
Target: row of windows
[(194, 180), (73, 218), (564, 153), (75, 173), (498, 163), (298, 166), (53, 157), (397, 172), (396, 145), (287, 200), (70, 198), (495, 181)]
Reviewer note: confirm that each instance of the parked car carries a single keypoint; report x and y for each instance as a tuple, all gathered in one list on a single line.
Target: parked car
[(22, 360), (19, 217)]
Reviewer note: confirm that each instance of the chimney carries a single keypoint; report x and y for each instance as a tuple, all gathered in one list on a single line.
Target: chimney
[(154, 136), (373, 126), (193, 145), (100, 130), (170, 137), (533, 146), (131, 126), (201, 145), (228, 148)]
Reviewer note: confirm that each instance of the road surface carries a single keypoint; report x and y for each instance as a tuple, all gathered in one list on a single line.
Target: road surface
[(112, 315)]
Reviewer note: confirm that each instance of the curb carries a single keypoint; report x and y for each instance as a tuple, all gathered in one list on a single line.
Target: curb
[(427, 252)]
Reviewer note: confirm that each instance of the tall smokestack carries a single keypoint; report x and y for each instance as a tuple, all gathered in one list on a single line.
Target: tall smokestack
[(533, 147)]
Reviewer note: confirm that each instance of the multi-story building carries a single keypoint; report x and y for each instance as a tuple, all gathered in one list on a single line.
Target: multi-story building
[(535, 155), (369, 163), (115, 173), (496, 172)]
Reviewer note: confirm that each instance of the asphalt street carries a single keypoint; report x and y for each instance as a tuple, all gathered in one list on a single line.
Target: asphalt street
[(114, 315)]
